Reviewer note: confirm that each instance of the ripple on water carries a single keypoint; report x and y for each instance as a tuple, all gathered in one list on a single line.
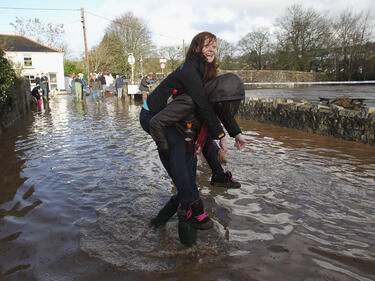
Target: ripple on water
[(120, 236), (302, 195)]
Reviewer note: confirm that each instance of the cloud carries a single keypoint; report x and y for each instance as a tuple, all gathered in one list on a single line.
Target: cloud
[(174, 21)]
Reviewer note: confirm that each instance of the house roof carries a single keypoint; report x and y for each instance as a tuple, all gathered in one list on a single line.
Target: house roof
[(20, 43)]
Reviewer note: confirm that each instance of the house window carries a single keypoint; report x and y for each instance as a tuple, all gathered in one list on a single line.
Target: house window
[(27, 61), (31, 78)]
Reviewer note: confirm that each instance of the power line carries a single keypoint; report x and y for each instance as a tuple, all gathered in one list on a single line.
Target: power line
[(88, 12), (38, 9), (111, 20), (53, 9)]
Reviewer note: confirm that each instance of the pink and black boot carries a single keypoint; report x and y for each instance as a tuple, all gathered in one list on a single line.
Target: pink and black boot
[(195, 216)]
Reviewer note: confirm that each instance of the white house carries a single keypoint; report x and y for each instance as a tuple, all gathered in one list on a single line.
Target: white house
[(34, 58)]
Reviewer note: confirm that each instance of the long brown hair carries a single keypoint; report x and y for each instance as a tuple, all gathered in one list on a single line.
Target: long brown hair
[(196, 47)]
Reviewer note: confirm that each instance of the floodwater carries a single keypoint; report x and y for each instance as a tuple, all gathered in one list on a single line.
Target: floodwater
[(80, 182)]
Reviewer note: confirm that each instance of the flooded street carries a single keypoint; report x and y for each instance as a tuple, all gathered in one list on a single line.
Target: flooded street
[(80, 182)]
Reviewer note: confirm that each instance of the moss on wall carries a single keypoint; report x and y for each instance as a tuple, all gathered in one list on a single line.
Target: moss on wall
[(16, 105), (331, 120)]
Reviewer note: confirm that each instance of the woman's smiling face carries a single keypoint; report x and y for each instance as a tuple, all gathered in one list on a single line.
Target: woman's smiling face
[(209, 49)]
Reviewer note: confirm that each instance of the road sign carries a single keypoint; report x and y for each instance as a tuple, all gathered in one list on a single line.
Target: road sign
[(131, 59), (162, 65), (163, 60)]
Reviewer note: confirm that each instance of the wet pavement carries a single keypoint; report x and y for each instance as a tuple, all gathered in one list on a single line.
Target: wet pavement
[(79, 183)]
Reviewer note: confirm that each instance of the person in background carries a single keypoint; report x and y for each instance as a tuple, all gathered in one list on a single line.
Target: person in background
[(119, 83), (36, 94), (72, 86), (78, 88), (143, 86), (44, 84), (103, 83), (84, 85), (95, 87), (109, 82), (37, 79)]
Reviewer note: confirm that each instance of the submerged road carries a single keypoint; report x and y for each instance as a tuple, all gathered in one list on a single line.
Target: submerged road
[(80, 182)]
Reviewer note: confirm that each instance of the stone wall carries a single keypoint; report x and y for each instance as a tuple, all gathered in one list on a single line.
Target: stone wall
[(331, 120), (17, 105), (277, 76)]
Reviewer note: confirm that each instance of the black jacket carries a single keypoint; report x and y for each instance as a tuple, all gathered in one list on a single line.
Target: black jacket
[(102, 79), (36, 92), (37, 80), (187, 78), (225, 88), (144, 85)]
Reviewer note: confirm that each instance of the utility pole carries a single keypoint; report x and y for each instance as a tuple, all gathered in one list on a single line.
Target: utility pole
[(141, 65), (86, 51), (183, 49)]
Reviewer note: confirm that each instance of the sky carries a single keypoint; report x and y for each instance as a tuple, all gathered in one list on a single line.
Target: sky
[(171, 22)]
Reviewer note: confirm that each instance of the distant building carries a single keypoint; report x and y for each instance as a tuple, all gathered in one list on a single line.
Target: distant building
[(32, 57)]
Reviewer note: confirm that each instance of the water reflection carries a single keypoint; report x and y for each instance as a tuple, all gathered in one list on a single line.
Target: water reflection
[(80, 182)]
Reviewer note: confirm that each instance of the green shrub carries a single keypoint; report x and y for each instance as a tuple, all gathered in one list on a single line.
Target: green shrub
[(71, 67), (7, 77)]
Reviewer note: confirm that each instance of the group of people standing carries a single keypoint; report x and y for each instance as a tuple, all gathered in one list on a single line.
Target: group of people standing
[(102, 83), (41, 89), (107, 83), (99, 84)]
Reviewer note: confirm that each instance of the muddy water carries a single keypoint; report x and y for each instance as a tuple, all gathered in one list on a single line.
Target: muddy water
[(79, 183)]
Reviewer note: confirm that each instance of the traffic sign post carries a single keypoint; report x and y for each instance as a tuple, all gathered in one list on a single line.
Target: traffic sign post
[(162, 66), (131, 61)]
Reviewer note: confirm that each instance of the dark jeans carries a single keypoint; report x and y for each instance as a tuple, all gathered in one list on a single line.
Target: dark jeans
[(180, 165), (210, 150)]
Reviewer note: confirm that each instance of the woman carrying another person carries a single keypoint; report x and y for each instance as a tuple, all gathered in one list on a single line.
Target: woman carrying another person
[(199, 67), (225, 93)]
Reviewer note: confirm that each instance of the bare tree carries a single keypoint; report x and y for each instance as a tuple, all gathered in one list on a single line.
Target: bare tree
[(254, 45), (45, 33), (173, 54), (134, 36), (97, 58), (303, 33), (352, 33), (225, 54)]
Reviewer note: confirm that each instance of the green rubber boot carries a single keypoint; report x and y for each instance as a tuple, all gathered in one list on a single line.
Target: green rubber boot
[(187, 234), (164, 215)]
